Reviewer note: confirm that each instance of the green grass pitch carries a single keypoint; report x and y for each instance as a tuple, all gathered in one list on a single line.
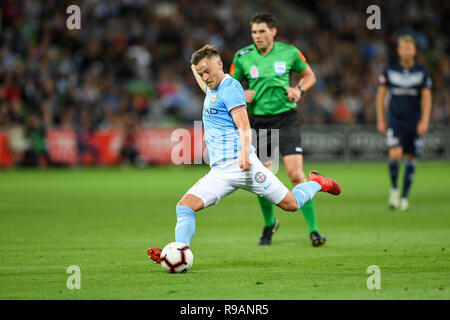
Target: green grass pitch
[(103, 220)]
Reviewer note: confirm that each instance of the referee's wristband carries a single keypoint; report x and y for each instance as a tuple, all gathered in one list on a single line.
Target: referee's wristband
[(302, 90)]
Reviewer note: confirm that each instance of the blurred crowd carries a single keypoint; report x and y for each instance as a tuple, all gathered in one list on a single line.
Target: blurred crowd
[(128, 65)]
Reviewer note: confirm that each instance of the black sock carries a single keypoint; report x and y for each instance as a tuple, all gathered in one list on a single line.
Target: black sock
[(410, 166), (393, 171)]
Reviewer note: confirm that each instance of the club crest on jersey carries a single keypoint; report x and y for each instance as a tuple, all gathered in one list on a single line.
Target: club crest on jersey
[(260, 177), (213, 98), (254, 72), (280, 67)]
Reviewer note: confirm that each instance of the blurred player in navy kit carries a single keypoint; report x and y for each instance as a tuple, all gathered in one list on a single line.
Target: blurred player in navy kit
[(409, 87)]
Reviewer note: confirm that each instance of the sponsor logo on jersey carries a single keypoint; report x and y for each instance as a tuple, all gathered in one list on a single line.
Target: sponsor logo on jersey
[(260, 177), (244, 52), (405, 79), (404, 91), (207, 112), (254, 72), (213, 98), (280, 67)]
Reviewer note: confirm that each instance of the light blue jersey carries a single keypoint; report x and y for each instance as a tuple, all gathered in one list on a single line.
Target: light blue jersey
[(221, 133)]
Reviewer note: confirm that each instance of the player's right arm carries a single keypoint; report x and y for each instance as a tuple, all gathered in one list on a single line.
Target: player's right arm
[(382, 91), (381, 121), (307, 76), (199, 80)]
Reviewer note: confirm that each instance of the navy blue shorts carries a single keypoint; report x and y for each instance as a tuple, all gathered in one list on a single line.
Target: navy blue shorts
[(410, 142)]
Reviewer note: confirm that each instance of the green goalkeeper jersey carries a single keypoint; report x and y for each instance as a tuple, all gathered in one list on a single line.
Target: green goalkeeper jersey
[(268, 76)]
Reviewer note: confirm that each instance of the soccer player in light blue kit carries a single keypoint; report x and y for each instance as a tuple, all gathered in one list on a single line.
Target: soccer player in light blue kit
[(233, 161)]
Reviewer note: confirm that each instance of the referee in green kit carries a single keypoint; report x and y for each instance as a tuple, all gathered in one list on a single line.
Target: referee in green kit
[(272, 103)]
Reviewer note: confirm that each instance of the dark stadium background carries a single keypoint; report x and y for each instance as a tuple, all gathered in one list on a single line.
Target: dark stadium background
[(111, 92)]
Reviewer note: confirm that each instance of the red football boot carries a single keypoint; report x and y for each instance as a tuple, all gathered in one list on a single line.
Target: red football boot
[(328, 185), (154, 254)]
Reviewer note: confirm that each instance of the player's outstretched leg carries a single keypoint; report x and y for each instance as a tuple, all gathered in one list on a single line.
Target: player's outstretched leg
[(328, 185), (304, 192)]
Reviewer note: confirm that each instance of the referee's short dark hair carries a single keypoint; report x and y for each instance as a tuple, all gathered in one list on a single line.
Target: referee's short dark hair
[(266, 18)]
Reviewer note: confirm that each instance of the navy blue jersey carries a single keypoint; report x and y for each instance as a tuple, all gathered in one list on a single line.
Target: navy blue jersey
[(405, 92)]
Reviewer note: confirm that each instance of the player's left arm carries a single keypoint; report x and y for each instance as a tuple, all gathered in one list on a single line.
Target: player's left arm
[(240, 118), (307, 78), (307, 81), (425, 105)]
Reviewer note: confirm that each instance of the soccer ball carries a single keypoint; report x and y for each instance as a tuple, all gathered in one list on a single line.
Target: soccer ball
[(177, 257)]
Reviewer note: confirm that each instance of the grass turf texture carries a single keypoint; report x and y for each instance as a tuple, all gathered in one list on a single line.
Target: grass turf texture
[(103, 220)]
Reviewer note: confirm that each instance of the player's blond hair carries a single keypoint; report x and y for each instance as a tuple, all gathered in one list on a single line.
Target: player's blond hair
[(208, 51), (406, 38)]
